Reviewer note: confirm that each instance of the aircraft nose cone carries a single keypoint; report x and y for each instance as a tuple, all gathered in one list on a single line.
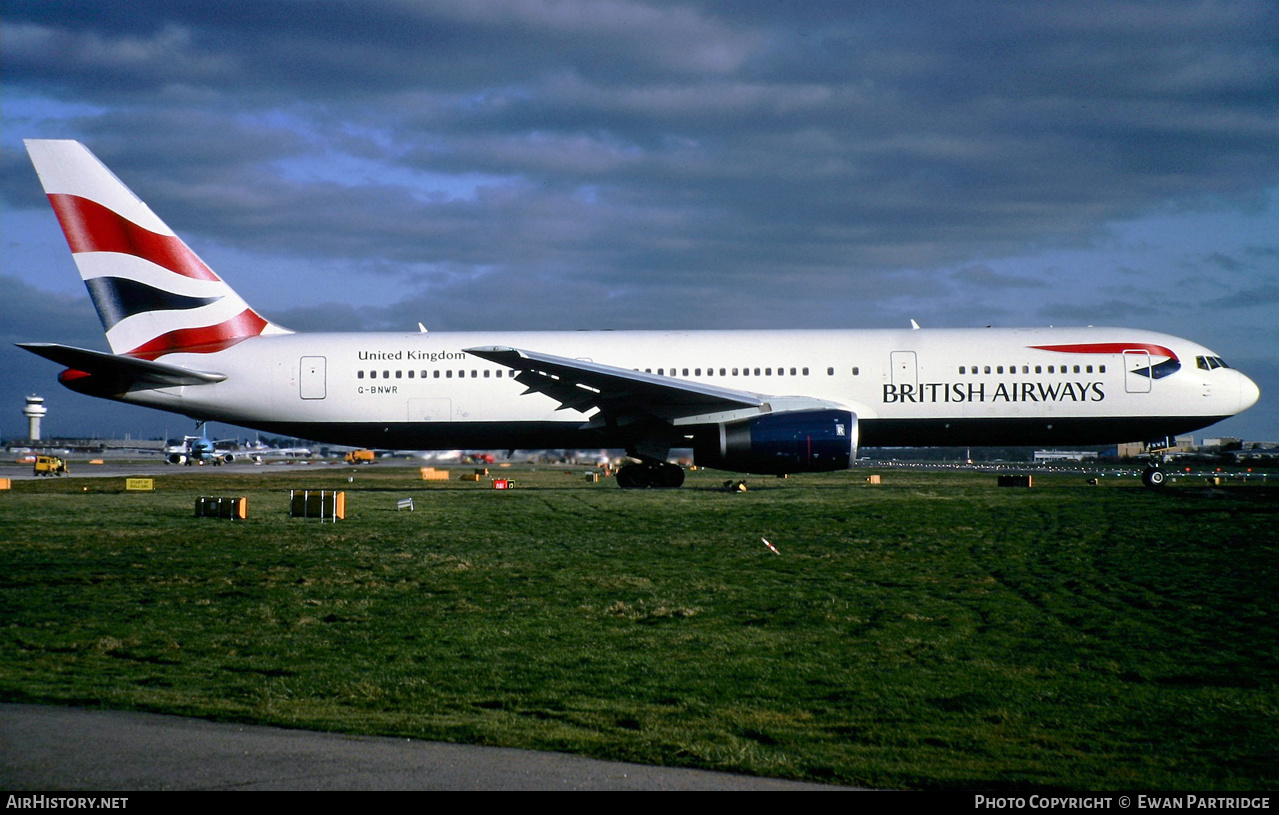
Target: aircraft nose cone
[(1249, 393)]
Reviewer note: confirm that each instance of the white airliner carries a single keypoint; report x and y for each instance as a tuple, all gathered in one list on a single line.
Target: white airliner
[(781, 401)]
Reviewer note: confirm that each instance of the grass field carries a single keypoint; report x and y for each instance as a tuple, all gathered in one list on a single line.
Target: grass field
[(932, 632)]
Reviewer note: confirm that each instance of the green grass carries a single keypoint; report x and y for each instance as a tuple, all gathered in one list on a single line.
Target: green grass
[(932, 632)]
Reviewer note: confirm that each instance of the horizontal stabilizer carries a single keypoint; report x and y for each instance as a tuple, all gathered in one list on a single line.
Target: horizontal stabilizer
[(115, 373)]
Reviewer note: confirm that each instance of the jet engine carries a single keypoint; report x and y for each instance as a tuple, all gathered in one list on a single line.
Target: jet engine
[(794, 442), (177, 458)]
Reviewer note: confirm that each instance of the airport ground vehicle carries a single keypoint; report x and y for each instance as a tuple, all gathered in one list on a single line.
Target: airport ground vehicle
[(49, 465)]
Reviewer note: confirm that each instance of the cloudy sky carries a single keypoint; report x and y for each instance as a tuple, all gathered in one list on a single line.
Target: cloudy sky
[(629, 164)]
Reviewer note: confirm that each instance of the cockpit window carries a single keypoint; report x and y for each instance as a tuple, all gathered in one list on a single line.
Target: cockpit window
[(1208, 363)]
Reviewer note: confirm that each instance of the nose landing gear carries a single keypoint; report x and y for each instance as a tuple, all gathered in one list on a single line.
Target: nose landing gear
[(1154, 476)]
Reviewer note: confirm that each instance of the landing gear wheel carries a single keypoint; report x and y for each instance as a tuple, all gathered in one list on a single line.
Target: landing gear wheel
[(669, 477), (1154, 477), (633, 477)]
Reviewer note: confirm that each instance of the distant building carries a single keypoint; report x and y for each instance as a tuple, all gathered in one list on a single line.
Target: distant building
[(1065, 455), (1130, 449), (34, 411), (1224, 441), (1180, 444)]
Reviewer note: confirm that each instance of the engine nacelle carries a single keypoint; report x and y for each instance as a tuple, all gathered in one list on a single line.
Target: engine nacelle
[(176, 458), (801, 441)]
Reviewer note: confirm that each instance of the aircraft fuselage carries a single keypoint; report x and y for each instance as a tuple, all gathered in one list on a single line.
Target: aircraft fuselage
[(906, 387)]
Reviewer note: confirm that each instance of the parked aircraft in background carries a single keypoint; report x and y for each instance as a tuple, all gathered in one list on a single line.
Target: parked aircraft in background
[(777, 401), (191, 450)]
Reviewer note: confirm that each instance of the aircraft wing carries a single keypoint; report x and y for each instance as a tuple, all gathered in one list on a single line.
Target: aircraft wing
[(121, 373), (617, 392)]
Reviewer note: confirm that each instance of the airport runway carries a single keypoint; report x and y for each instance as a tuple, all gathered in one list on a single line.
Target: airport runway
[(54, 748), (129, 468)]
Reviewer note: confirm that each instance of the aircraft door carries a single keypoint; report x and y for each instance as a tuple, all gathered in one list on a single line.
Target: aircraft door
[(905, 371), (1138, 375), (431, 410), (311, 377)]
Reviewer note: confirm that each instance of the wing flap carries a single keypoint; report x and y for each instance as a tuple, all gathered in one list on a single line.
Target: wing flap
[(580, 385)]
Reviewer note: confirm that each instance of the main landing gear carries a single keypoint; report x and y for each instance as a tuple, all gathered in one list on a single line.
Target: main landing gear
[(650, 475)]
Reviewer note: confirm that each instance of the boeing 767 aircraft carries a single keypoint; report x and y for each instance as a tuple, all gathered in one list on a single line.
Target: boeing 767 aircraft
[(777, 401)]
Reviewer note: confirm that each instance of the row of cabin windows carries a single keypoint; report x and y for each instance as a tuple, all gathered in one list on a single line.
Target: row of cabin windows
[(497, 374), (435, 374), (1039, 369), (744, 371)]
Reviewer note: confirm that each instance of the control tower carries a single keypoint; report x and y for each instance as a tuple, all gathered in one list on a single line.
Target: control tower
[(34, 411)]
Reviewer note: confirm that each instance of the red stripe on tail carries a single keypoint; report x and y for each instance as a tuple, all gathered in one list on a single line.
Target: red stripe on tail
[(91, 227), (203, 340)]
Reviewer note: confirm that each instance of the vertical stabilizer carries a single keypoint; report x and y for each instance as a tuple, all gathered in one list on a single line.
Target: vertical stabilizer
[(153, 294)]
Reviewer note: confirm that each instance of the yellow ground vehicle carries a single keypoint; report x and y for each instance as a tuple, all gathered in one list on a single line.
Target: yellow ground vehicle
[(360, 457), (50, 465)]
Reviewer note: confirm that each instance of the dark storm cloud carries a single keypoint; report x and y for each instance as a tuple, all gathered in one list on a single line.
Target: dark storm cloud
[(718, 151)]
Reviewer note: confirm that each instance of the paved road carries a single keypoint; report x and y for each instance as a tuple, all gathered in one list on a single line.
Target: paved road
[(54, 748)]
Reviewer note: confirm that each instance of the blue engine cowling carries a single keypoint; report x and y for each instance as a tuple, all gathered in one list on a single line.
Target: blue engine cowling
[(802, 441)]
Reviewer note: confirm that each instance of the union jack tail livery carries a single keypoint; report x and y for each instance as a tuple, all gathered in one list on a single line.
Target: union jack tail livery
[(153, 294)]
